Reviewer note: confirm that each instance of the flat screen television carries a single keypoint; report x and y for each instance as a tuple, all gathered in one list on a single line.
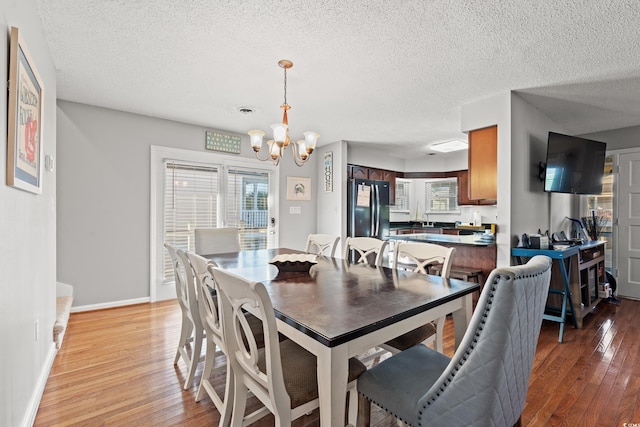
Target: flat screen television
[(574, 165)]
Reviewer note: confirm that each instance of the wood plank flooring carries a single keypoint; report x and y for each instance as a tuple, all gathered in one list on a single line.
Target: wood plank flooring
[(115, 368)]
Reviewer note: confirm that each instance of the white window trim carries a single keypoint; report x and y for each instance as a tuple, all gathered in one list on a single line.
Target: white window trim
[(408, 210), (158, 155), (428, 205)]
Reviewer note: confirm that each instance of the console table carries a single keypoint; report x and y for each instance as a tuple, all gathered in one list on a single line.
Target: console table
[(574, 294)]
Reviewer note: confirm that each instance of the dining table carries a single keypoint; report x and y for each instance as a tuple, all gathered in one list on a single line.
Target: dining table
[(338, 310)]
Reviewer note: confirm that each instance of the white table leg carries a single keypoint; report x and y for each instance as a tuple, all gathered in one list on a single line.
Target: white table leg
[(462, 317), (333, 369)]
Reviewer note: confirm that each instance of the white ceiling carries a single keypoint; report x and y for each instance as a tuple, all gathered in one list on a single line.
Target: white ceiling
[(377, 72)]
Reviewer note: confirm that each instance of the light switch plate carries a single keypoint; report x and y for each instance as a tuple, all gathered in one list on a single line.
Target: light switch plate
[(295, 210)]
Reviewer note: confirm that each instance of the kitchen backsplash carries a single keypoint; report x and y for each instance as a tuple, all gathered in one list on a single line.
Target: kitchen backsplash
[(488, 214)]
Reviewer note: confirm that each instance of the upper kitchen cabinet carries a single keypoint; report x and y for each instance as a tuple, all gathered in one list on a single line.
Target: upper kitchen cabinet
[(483, 164), (463, 188), (463, 191), (359, 172), (376, 174), (363, 172), (391, 177)]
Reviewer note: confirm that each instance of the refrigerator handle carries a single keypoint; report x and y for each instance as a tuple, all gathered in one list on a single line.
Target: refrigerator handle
[(376, 211), (378, 208)]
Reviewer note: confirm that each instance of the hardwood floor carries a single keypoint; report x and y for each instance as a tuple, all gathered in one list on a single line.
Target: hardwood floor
[(115, 368)]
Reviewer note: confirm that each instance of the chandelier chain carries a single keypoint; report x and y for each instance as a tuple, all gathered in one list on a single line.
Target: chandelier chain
[(285, 86)]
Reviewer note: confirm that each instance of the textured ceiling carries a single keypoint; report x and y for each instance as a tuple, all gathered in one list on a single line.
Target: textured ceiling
[(393, 71)]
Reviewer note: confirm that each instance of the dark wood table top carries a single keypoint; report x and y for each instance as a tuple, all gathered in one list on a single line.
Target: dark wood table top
[(337, 301)]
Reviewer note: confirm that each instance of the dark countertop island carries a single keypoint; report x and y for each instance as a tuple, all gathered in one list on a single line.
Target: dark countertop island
[(469, 254), (446, 239)]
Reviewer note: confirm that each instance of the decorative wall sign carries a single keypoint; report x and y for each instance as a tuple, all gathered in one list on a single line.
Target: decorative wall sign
[(24, 142), (298, 188), (222, 142), (328, 172)]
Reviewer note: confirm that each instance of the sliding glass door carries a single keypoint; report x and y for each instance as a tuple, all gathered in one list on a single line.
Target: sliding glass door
[(207, 191)]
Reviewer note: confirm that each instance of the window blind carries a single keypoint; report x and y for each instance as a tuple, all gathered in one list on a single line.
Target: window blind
[(442, 195), (402, 195), (190, 202), (247, 207)]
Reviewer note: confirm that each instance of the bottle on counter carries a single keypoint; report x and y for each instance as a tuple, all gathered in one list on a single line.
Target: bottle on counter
[(477, 218)]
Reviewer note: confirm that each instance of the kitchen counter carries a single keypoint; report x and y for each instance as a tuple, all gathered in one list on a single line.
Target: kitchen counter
[(413, 227), (469, 254), (441, 238)]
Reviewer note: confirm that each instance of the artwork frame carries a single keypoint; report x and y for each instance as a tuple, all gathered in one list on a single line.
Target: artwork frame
[(25, 113), (328, 172), (298, 188)]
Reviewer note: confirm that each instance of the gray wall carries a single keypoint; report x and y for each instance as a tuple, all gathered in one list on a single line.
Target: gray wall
[(618, 139), (332, 206), (28, 243), (532, 208), (104, 196), (496, 110)]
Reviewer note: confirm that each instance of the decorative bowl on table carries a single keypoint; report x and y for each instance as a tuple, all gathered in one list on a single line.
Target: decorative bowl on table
[(294, 262)]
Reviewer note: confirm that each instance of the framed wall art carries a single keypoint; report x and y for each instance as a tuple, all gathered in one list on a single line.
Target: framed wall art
[(25, 111), (328, 172), (298, 188)]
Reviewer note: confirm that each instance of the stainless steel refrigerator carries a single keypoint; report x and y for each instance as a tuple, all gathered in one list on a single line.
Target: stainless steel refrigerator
[(368, 208)]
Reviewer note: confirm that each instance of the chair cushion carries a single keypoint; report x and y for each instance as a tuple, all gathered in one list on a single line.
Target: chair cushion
[(401, 380), (412, 338), (299, 370)]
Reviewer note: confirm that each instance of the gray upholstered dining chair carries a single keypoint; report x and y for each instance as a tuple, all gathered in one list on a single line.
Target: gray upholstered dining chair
[(418, 256), (282, 375), (192, 332), (485, 382), (209, 241), (367, 250), (322, 244)]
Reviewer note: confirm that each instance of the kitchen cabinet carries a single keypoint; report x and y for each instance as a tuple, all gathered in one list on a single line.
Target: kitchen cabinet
[(483, 164), (463, 188), (363, 172), (463, 191), (391, 177), (376, 174), (421, 230), (359, 172), (451, 231)]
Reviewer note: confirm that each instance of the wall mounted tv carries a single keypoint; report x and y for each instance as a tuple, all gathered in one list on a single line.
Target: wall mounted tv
[(574, 165)]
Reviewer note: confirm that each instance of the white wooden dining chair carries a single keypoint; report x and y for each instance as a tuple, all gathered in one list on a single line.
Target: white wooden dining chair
[(322, 244), (418, 256), (282, 375), (365, 249), (210, 318), (209, 241), (191, 332)]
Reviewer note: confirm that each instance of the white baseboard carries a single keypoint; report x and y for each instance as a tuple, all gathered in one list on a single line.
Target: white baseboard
[(112, 304), (38, 391)]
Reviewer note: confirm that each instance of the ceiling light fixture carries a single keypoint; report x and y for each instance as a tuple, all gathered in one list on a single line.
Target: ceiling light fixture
[(449, 146), (302, 149)]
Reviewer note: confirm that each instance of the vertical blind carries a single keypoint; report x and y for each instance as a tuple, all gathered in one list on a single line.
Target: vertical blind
[(190, 202)]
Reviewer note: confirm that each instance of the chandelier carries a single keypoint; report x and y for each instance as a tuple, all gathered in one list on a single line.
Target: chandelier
[(301, 149)]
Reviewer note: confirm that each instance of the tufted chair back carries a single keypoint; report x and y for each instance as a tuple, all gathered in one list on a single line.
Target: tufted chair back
[(485, 382)]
